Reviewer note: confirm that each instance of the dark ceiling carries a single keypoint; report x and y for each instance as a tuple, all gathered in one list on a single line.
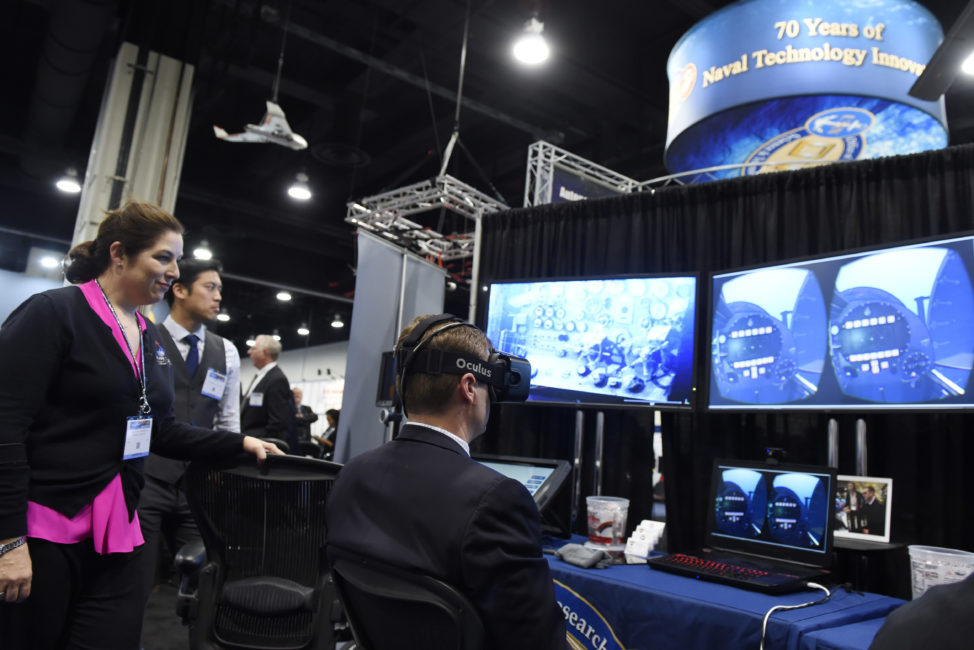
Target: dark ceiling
[(371, 85)]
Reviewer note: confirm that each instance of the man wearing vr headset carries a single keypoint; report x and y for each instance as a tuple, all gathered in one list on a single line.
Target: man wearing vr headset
[(420, 502)]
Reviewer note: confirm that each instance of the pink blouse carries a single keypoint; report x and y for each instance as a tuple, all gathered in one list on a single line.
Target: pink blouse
[(106, 518)]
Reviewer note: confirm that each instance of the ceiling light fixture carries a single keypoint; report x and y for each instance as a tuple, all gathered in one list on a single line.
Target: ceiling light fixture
[(203, 252), (967, 67), (299, 190), (223, 317), (251, 342), (276, 335), (303, 330), (50, 262), (69, 182), (337, 322), (531, 48), (283, 296)]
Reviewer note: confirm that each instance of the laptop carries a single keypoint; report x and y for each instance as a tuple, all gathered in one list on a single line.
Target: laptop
[(769, 528), (542, 477)]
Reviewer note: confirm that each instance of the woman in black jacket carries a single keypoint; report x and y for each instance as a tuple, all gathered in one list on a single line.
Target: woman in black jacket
[(85, 389)]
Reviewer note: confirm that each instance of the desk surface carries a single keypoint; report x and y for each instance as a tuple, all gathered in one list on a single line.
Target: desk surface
[(846, 637), (652, 609)]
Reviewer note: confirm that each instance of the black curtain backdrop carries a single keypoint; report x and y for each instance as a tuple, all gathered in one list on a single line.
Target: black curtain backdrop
[(720, 226)]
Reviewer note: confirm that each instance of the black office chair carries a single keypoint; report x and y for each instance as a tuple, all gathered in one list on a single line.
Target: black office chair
[(264, 582), (390, 608)]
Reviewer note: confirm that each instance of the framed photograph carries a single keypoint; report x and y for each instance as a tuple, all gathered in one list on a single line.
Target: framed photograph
[(863, 505)]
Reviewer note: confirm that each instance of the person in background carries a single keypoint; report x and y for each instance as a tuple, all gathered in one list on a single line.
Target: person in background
[(420, 502), (303, 417), (206, 374), (86, 390), (327, 438), (268, 405)]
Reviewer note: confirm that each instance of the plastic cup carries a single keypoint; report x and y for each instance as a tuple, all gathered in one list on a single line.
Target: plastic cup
[(934, 566), (607, 519)]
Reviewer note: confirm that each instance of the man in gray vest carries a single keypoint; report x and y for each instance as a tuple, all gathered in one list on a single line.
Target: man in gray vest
[(206, 378)]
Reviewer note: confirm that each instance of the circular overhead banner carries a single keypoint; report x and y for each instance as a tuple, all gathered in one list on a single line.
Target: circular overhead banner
[(782, 84)]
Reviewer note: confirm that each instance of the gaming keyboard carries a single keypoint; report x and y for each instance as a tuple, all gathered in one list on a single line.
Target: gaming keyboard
[(737, 575)]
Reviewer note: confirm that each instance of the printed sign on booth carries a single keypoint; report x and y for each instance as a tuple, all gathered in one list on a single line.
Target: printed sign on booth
[(585, 626)]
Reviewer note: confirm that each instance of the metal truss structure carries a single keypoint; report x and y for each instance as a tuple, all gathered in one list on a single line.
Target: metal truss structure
[(708, 174), (542, 159), (386, 215)]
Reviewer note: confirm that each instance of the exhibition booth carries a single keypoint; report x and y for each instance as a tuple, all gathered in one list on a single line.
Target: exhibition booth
[(710, 229)]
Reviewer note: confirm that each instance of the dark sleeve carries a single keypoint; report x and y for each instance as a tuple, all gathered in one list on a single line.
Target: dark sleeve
[(32, 343), (279, 405), (309, 415), (182, 441), (506, 575)]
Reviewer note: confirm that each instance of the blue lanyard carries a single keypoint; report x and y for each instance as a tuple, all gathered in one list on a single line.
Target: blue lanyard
[(140, 377)]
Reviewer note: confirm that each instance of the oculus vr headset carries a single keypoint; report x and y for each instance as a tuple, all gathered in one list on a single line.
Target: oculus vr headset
[(508, 378)]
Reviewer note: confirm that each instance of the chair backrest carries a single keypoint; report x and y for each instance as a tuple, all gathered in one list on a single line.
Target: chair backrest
[(390, 608), (264, 532)]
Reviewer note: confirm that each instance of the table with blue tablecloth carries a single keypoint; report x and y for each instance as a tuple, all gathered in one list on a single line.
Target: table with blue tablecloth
[(634, 607), (846, 637)]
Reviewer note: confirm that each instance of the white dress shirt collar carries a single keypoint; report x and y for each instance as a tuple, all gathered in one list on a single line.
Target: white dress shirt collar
[(179, 332), (457, 439), (263, 372)]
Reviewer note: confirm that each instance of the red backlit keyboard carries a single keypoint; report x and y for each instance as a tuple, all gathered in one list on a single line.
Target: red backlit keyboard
[(738, 575)]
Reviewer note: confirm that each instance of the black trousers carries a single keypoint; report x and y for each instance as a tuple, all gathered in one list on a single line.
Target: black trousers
[(79, 600), (164, 514)]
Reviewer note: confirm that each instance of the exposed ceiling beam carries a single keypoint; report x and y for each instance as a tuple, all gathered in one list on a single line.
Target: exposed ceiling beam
[(419, 82), (341, 236)]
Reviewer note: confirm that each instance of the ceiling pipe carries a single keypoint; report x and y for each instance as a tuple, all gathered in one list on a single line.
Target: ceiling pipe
[(75, 33)]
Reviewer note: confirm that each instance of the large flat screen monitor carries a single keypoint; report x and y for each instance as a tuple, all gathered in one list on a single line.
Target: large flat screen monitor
[(891, 328), (600, 341)]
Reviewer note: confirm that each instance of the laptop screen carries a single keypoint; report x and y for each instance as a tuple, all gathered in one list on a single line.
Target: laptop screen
[(541, 476), (781, 512)]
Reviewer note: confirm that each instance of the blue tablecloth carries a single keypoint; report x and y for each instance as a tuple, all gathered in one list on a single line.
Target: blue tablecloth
[(847, 637), (635, 607)]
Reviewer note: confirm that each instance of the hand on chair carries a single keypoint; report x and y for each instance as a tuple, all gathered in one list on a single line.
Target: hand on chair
[(260, 448)]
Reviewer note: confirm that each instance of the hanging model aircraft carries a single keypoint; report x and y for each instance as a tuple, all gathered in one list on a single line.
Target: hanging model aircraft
[(273, 128)]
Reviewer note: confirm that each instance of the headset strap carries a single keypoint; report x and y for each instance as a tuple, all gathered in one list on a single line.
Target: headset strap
[(434, 361)]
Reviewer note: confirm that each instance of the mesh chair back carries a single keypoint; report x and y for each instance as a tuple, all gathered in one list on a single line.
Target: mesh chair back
[(390, 608), (264, 528)]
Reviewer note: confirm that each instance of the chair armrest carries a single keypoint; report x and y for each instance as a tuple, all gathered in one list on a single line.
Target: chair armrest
[(281, 444), (191, 557)]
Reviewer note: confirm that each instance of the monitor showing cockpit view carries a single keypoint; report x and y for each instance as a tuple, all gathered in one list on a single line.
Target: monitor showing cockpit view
[(889, 328), (607, 341)]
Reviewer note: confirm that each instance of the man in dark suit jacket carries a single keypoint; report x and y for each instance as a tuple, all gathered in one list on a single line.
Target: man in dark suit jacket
[(940, 618), (875, 513), (267, 409), (420, 502), (304, 417)]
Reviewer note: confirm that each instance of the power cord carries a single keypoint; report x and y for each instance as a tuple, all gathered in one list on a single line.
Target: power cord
[(813, 585)]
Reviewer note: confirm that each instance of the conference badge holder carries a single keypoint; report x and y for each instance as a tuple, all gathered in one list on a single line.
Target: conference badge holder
[(138, 437)]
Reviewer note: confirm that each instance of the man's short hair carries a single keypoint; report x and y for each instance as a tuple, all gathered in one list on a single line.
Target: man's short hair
[(270, 344), (431, 393), (189, 270)]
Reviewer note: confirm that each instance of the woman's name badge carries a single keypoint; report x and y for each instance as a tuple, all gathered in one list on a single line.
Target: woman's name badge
[(256, 399), (138, 436), (214, 384)]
